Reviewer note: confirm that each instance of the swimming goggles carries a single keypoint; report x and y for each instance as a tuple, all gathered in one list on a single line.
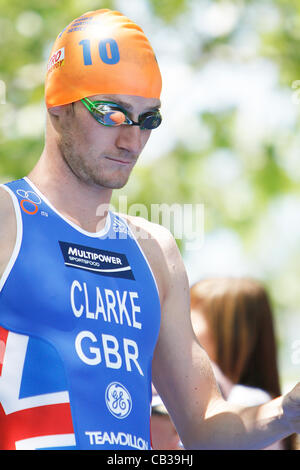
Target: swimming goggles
[(112, 115)]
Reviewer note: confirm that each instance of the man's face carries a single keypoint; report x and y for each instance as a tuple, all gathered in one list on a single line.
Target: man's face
[(100, 155)]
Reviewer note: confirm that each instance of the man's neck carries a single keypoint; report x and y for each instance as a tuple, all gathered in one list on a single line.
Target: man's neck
[(83, 204)]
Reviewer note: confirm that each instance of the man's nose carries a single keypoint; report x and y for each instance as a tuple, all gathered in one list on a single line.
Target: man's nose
[(130, 139)]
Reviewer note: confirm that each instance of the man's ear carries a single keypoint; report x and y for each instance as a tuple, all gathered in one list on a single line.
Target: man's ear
[(58, 114), (55, 111)]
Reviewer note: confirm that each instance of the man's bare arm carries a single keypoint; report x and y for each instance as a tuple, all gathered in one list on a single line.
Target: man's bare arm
[(184, 378), (8, 229)]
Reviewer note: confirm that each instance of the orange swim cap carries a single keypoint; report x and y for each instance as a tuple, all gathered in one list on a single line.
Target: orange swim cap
[(101, 52)]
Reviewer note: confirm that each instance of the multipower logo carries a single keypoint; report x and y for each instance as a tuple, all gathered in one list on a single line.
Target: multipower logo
[(103, 262)]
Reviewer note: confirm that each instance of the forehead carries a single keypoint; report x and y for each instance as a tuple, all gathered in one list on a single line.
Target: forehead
[(130, 102)]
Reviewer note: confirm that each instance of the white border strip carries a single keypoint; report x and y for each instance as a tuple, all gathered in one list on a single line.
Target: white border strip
[(19, 237), (75, 226), (44, 442)]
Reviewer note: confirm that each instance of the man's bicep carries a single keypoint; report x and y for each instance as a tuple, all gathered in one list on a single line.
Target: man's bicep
[(182, 372)]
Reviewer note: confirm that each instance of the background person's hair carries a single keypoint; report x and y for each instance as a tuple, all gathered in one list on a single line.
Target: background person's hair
[(239, 315), (240, 320)]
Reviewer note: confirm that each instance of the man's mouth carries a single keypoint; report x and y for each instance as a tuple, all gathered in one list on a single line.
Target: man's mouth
[(120, 161)]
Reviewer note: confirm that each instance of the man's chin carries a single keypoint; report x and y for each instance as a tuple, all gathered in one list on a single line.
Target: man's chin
[(112, 184)]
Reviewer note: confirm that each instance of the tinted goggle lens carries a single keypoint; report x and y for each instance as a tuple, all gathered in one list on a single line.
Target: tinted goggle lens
[(150, 120)]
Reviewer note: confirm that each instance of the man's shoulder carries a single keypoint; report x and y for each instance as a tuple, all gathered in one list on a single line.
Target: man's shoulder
[(8, 228), (6, 203), (149, 233), (7, 212)]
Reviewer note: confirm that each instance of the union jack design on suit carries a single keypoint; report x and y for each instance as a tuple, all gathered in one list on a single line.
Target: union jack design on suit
[(30, 421)]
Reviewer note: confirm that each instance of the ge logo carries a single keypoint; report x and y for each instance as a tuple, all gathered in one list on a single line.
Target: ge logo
[(29, 201), (118, 400)]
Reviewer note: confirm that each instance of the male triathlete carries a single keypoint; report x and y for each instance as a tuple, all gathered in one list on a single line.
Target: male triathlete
[(93, 304)]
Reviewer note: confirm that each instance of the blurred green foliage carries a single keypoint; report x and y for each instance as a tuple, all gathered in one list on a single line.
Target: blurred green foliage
[(27, 32), (167, 10)]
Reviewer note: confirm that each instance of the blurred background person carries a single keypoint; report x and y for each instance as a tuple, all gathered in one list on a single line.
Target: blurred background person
[(163, 432), (233, 321)]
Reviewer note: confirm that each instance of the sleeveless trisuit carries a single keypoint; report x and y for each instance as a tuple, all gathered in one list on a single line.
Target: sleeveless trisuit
[(79, 320)]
